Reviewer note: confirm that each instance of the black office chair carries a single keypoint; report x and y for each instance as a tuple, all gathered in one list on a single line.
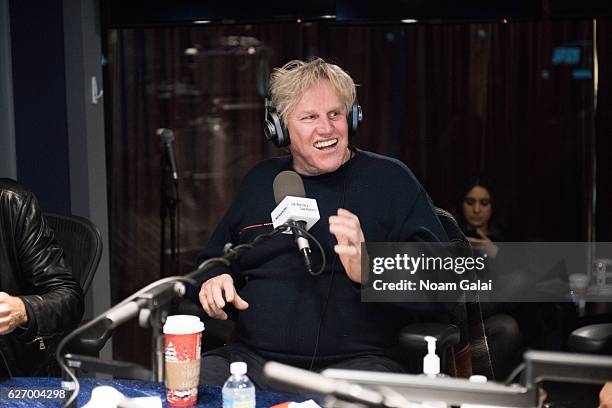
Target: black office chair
[(594, 339), (82, 245), (462, 345)]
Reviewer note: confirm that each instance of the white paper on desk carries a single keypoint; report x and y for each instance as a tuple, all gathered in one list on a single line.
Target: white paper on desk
[(305, 404), (103, 397), (141, 402), (108, 397)]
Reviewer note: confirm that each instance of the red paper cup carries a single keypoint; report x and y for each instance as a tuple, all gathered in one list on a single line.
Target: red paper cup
[(183, 336)]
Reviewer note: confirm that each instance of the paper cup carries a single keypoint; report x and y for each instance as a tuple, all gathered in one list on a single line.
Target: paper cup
[(183, 337)]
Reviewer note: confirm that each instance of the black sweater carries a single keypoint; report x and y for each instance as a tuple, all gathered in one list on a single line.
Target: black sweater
[(286, 303)]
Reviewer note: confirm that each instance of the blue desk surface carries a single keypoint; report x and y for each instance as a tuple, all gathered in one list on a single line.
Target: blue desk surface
[(208, 395), (560, 395)]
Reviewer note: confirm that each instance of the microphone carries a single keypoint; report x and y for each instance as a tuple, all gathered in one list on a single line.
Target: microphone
[(295, 209), (167, 137)]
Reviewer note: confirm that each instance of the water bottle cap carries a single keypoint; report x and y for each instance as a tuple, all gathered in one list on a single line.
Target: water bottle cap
[(238, 368)]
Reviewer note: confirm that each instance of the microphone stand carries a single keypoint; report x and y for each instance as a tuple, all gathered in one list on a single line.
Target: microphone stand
[(163, 208), (168, 209), (151, 305)]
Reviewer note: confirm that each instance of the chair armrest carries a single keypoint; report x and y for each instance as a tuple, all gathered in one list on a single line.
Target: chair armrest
[(595, 338)]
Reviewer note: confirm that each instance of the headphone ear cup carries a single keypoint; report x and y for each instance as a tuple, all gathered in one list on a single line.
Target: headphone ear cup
[(354, 118), (275, 130)]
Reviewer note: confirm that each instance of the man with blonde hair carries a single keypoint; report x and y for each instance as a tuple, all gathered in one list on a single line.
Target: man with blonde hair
[(284, 313)]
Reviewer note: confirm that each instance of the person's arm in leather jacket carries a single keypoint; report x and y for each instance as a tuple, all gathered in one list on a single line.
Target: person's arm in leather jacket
[(53, 299)]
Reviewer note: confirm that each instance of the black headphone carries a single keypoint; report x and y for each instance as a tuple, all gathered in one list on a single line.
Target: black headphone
[(276, 131)]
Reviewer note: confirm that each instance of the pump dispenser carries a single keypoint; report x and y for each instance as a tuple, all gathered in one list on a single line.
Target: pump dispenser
[(431, 362), (431, 368)]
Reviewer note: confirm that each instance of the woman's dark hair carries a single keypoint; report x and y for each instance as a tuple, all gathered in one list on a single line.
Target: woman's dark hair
[(481, 181)]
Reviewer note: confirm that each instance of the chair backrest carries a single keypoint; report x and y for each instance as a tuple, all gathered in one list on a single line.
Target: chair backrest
[(458, 241), (82, 245), (471, 355)]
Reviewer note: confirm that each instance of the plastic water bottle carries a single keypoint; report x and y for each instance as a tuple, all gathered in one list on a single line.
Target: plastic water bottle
[(238, 391)]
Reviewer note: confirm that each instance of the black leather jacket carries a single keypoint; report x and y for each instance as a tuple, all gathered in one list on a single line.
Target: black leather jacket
[(32, 267)]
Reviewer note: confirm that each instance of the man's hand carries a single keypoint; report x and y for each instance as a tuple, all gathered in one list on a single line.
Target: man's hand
[(484, 244), (605, 396), (218, 291), (345, 226), (12, 313)]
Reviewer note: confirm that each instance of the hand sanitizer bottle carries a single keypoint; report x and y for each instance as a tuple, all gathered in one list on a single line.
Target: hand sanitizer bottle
[(431, 362), (431, 368)]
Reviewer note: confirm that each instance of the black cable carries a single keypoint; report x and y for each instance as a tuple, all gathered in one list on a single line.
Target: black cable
[(292, 226), (333, 273), (229, 248), (320, 325), (316, 241), (277, 230)]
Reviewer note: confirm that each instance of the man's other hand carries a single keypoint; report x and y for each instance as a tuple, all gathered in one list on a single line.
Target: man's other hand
[(12, 313), (605, 396), (216, 293), (347, 229)]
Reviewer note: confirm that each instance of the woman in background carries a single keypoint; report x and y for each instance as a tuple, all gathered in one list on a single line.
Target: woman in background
[(475, 219)]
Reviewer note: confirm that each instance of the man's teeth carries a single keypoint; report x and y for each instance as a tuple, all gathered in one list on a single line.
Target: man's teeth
[(326, 143)]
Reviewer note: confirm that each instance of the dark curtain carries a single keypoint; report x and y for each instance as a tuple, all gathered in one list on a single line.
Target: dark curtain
[(603, 124), (450, 101)]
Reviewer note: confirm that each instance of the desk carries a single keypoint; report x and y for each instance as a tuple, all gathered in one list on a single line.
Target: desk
[(208, 395), (560, 395)]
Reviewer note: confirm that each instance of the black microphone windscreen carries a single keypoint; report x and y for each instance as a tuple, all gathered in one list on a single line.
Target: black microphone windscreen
[(166, 135), (288, 183)]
